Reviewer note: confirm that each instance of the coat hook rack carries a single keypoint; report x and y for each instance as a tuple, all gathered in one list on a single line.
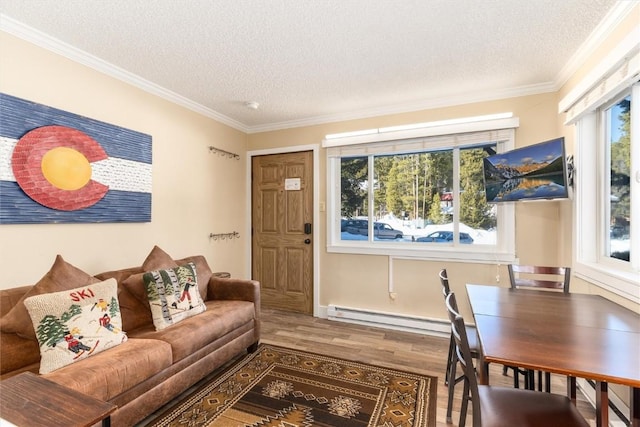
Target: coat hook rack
[(224, 236), (223, 153)]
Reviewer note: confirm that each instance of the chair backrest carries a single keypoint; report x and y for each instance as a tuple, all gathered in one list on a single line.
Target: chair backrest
[(534, 276), (459, 332), (444, 279)]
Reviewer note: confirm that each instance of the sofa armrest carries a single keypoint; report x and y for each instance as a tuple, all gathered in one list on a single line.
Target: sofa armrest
[(233, 289), (17, 352), (237, 289)]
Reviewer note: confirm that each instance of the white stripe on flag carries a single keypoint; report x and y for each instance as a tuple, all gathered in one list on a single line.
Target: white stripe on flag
[(118, 174)]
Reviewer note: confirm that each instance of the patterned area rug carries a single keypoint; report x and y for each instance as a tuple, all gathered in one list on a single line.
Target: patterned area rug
[(276, 386)]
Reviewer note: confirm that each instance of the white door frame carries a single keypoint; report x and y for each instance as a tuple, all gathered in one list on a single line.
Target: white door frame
[(315, 148)]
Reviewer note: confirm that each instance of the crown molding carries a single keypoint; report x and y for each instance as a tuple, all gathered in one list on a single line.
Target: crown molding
[(449, 101), (45, 41), (604, 29)]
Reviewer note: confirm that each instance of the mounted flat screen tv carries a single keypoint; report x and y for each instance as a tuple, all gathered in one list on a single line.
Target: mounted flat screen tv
[(535, 172)]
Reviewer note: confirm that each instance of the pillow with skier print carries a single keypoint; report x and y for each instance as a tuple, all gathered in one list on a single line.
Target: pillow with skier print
[(72, 325), (173, 294)]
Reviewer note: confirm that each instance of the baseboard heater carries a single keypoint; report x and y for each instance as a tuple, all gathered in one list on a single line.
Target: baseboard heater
[(421, 325)]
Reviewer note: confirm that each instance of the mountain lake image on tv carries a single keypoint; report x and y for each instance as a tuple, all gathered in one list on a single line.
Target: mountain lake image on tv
[(534, 172)]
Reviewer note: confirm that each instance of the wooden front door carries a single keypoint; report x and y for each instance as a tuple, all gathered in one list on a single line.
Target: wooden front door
[(282, 241)]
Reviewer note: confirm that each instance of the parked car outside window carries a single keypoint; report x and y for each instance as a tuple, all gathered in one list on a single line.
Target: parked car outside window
[(354, 226), (444, 237), (381, 230)]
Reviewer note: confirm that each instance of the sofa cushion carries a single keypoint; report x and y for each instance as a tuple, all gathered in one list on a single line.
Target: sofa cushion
[(71, 325), (112, 372), (194, 333), (61, 276), (173, 294)]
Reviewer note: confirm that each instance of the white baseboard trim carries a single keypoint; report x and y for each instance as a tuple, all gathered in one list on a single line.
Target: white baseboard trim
[(399, 322)]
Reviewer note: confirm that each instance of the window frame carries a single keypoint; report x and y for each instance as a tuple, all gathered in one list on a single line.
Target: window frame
[(454, 136), (591, 261)]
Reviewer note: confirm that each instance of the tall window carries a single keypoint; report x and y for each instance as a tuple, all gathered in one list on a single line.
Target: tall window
[(419, 197), (608, 195)]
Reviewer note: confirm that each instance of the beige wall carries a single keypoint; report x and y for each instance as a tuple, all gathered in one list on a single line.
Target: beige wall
[(362, 281), (194, 192)]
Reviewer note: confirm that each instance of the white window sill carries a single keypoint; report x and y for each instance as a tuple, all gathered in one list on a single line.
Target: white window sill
[(624, 284), (439, 253)]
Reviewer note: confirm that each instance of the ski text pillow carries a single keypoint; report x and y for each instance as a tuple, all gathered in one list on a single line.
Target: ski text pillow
[(74, 324)]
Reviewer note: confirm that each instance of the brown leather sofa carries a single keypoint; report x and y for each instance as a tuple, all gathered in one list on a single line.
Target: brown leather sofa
[(151, 367)]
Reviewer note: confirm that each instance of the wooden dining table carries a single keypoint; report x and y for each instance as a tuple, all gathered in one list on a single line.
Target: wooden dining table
[(577, 335)]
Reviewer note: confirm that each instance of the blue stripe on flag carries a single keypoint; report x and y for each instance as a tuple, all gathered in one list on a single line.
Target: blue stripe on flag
[(19, 116), (116, 206)]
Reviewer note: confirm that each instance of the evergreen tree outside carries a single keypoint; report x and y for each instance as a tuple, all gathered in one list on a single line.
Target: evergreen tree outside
[(436, 215), (396, 188), (621, 163), (474, 209), (382, 166), (354, 174)]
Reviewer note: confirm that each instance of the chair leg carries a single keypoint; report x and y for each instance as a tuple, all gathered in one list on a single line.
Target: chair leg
[(531, 379), (465, 404), (452, 345), (547, 378), (571, 389), (539, 380), (453, 362)]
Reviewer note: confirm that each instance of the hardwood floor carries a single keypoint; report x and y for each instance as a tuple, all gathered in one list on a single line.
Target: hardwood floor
[(383, 347)]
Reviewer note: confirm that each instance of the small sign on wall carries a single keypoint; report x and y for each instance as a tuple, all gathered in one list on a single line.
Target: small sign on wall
[(292, 184)]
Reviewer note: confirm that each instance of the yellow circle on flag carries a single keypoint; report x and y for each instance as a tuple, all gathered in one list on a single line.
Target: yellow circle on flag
[(66, 168)]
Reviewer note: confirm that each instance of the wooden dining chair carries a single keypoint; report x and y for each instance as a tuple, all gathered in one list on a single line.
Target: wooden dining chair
[(450, 379), (538, 278), (505, 406)]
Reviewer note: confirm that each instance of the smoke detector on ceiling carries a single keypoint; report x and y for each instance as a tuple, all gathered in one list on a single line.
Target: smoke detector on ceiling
[(252, 105)]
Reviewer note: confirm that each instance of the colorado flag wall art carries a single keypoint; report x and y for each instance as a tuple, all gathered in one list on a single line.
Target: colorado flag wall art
[(59, 167)]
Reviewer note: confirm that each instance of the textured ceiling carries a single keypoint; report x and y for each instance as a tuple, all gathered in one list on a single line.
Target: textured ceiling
[(313, 61)]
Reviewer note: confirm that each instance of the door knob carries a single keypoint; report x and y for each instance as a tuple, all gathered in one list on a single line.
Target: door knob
[(307, 241)]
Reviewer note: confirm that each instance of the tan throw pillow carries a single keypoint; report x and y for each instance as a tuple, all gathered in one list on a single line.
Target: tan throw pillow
[(158, 259), (136, 287), (173, 295), (73, 324), (61, 276)]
